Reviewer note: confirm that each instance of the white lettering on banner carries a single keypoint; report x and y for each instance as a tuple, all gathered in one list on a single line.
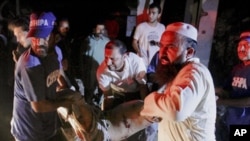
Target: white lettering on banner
[(40, 22), (52, 77)]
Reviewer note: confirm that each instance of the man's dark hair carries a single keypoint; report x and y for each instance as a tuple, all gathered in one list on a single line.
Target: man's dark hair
[(117, 44), (98, 22), (20, 21), (155, 5)]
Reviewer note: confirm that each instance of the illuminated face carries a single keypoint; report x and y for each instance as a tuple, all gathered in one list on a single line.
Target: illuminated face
[(171, 52), (64, 27), (114, 59), (100, 29), (21, 36), (243, 50), (40, 46), (153, 15)]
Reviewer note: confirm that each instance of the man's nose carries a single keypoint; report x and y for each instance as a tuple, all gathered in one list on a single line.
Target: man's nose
[(41, 42), (165, 50), (109, 61), (18, 39), (242, 48)]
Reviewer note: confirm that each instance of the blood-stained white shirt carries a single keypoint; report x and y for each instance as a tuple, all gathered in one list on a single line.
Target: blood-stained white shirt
[(187, 106)]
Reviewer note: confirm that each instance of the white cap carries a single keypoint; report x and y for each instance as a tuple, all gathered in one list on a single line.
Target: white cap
[(184, 29)]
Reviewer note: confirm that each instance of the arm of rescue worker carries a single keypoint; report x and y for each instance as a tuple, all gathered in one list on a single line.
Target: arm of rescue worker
[(141, 76), (224, 99), (49, 106), (181, 98), (241, 102), (62, 83)]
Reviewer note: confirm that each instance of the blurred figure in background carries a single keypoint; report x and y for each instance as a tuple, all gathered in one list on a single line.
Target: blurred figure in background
[(92, 54), (235, 94), (20, 28), (148, 34), (65, 42)]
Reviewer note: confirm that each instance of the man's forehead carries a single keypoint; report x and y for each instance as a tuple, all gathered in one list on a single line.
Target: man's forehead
[(154, 9), (65, 24), (168, 37), (17, 28), (100, 26), (246, 40), (112, 52)]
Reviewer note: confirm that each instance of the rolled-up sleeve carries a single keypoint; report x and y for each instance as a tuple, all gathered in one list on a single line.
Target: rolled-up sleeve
[(180, 99)]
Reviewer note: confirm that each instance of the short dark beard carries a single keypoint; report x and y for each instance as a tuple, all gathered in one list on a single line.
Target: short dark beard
[(166, 73)]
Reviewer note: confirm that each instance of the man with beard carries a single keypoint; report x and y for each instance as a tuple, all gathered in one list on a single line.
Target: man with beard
[(122, 78), (186, 101), (37, 76), (92, 55)]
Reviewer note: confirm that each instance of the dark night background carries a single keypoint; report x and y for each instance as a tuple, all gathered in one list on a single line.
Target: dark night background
[(82, 14)]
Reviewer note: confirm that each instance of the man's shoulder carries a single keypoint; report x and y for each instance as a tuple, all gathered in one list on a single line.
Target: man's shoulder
[(142, 24), (106, 38), (132, 55), (103, 74), (102, 68), (134, 59), (197, 66), (162, 25), (28, 60)]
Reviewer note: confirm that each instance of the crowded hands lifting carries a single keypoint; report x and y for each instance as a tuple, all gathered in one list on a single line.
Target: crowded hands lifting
[(182, 107)]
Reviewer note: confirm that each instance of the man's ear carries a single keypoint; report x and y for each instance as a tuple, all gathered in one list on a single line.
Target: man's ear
[(190, 52), (124, 55), (159, 16)]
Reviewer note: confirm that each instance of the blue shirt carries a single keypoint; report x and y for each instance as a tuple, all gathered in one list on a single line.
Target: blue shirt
[(153, 63), (35, 80), (239, 86)]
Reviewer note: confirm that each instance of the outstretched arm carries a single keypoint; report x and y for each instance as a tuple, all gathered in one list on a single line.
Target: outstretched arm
[(242, 102)]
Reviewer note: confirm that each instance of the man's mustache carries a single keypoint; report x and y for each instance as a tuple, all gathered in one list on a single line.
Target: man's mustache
[(165, 57)]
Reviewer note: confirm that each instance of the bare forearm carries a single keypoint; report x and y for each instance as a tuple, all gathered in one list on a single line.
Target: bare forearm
[(48, 106), (143, 90), (243, 102), (136, 46)]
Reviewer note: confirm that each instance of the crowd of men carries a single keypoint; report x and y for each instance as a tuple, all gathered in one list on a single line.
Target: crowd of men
[(159, 92)]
